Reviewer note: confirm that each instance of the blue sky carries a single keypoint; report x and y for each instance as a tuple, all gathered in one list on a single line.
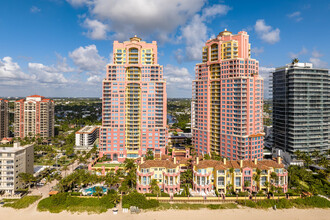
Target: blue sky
[(60, 47)]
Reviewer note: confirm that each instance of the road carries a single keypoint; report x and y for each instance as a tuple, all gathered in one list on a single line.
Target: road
[(44, 190)]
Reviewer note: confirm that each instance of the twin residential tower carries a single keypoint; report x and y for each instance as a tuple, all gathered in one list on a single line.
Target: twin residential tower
[(226, 105)]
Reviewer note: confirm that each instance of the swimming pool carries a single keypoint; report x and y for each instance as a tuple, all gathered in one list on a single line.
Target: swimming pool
[(91, 190)]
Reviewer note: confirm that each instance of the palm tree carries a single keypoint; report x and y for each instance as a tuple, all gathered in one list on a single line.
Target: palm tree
[(129, 165), (149, 155), (26, 178), (111, 179), (266, 184), (98, 191), (273, 177), (256, 178), (295, 60), (154, 187)]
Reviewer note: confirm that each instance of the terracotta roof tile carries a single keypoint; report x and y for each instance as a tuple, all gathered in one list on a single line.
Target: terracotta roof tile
[(159, 163)]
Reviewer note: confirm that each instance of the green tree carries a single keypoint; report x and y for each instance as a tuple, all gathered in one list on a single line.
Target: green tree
[(98, 191), (149, 155), (154, 187)]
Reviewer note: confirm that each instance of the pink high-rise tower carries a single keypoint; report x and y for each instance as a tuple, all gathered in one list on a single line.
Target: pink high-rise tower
[(134, 102), (227, 99)]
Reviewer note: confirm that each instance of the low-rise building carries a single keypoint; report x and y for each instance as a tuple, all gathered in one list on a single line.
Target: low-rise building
[(87, 136), (166, 172), (213, 175), (13, 161)]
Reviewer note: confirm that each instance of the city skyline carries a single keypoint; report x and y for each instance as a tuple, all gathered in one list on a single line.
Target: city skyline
[(46, 49)]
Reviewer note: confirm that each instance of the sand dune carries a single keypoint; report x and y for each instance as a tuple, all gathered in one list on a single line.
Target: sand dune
[(231, 214)]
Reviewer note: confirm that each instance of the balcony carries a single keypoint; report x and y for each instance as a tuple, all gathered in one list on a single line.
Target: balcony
[(144, 174)]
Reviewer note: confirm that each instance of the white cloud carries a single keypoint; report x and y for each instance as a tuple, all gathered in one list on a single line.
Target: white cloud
[(296, 55), (144, 17), (97, 30), (79, 3), (316, 54), (316, 61), (35, 9), (95, 80), (87, 59), (265, 73), (177, 79), (216, 10), (257, 50), (195, 35), (267, 33), (295, 16), (195, 32), (11, 73), (46, 74)]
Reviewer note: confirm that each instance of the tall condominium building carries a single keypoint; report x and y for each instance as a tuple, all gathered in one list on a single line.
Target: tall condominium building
[(13, 161), (34, 117), (3, 118), (227, 99), (301, 108), (134, 102)]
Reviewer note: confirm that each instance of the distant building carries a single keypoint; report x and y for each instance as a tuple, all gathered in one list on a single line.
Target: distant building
[(13, 161), (301, 108), (34, 116), (3, 119), (86, 136), (134, 104), (227, 99)]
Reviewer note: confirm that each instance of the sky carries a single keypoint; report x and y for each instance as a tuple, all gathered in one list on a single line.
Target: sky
[(60, 48)]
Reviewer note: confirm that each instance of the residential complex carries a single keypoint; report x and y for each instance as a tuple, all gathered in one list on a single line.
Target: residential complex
[(34, 117), (301, 108), (239, 174), (3, 119), (212, 175), (13, 161), (87, 136), (227, 99), (134, 102)]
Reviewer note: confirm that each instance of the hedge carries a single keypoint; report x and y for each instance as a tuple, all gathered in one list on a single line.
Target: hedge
[(139, 200)]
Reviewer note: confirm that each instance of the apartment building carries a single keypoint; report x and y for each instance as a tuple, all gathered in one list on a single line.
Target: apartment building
[(87, 136), (301, 108), (34, 117), (213, 175), (227, 99), (134, 102), (13, 161), (4, 119), (166, 172)]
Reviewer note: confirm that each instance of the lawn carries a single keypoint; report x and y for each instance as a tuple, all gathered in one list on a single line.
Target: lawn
[(22, 203), (108, 165)]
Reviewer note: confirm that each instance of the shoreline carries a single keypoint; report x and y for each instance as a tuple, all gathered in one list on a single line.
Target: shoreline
[(223, 214)]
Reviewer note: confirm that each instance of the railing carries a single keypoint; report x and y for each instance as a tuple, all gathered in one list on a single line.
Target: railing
[(200, 199)]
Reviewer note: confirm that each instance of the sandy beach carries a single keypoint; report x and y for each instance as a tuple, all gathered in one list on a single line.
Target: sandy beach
[(230, 214)]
